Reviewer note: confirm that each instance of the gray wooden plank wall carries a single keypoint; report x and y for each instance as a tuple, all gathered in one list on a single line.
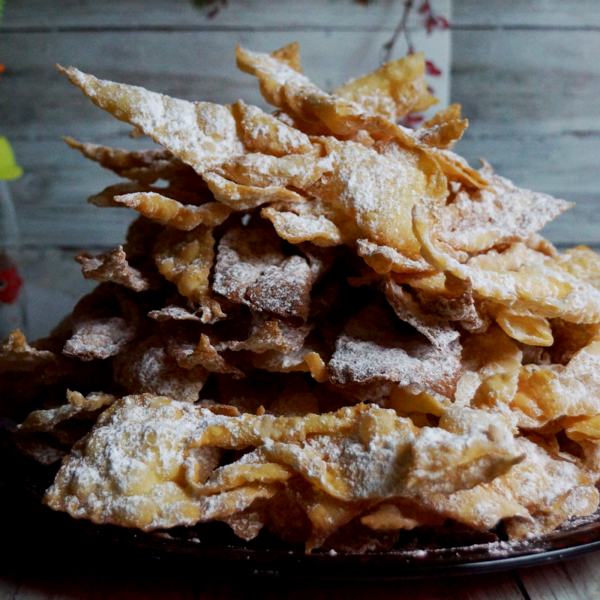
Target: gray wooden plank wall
[(172, 49), (525, 72)]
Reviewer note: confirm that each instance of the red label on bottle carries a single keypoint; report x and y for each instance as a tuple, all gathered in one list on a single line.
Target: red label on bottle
[(10, 285)]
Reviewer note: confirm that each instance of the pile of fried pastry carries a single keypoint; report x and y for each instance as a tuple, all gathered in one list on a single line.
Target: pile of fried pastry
[(322, 323)]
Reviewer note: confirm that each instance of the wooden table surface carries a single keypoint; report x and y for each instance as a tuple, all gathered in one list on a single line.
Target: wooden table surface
[(576, 579), (42, 561), (29, 576)]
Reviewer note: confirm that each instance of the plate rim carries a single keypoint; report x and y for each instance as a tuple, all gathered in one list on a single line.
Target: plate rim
[(22, 475)]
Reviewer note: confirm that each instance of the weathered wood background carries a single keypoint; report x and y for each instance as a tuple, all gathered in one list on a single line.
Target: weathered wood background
[(169, 47), (166, 47), (526, 72)]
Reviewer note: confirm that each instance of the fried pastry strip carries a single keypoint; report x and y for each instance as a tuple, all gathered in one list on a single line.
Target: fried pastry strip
[(199, 133)]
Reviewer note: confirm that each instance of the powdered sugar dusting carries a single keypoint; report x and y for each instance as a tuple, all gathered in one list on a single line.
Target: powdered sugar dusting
[(252, 269), (504, 213), (278, 70), (125, 470), (384, 457), (452, 249), (532, 485), (377, 190), (202, 134), (362, 356)]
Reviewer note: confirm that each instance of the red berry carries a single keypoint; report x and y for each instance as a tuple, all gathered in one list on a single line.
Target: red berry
[(425, 8), (431, 69)]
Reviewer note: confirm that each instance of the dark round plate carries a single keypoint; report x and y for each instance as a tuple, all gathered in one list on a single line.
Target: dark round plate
[(216, 548)]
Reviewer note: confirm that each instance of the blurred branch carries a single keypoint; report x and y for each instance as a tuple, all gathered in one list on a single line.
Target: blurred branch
[(401, 29)]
